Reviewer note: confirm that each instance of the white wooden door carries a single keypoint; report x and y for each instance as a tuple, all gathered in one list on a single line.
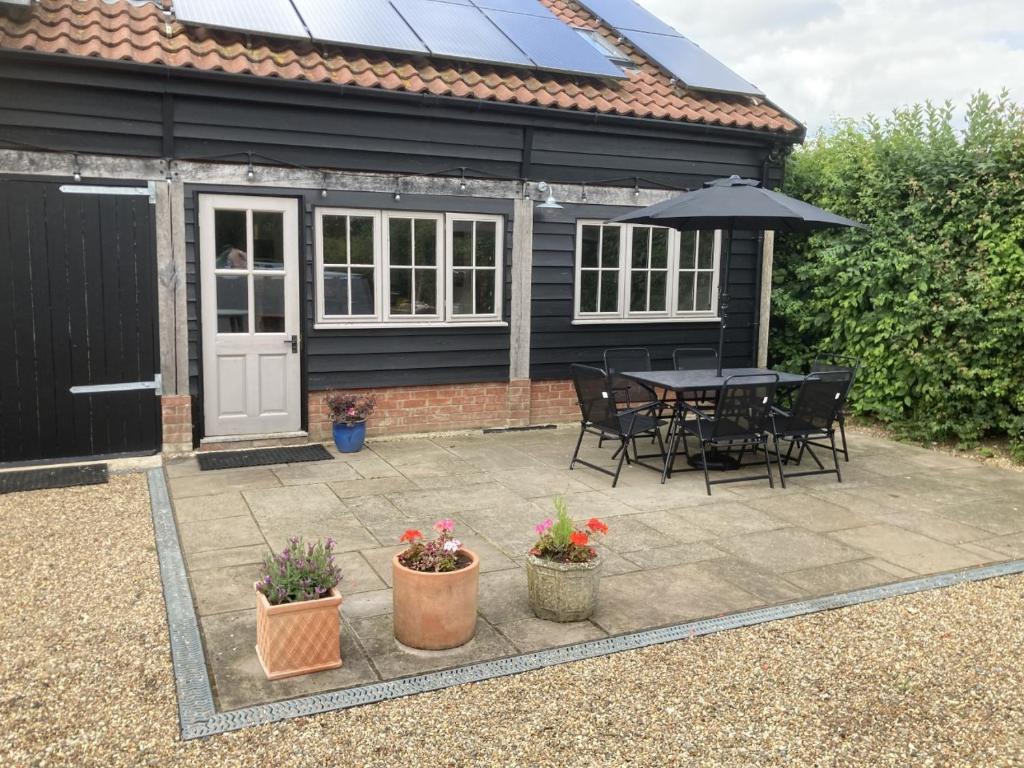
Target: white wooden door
[(249, 272)]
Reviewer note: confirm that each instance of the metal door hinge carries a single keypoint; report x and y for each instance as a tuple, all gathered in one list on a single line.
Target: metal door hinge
[(124, 386)]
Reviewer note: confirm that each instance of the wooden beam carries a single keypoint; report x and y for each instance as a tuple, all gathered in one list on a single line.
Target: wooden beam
[(522, 283), (767, 262)]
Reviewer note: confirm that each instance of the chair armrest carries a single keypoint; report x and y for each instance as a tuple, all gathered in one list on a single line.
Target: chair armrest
[(776, 411), (697, 411)]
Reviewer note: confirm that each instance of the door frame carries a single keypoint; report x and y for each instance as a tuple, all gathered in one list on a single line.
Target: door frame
[(229, 197)]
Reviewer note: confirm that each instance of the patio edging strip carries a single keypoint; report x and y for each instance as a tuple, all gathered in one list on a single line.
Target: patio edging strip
[(198, 713), (191, 679)]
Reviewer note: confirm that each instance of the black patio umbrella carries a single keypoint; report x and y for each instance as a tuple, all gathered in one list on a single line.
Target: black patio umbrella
[(730, 204)]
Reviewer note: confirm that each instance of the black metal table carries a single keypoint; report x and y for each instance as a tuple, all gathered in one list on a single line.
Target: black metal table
[(681, 382)]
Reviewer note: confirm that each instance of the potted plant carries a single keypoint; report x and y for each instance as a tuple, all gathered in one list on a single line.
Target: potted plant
[(349, 413), (563, 569), (298, 627), (435, 590)]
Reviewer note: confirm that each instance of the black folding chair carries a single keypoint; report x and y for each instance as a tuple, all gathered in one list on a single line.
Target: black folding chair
[(697, 359), (741, 420), (813, 415), (629, 393), (839, 363), (601, 416)]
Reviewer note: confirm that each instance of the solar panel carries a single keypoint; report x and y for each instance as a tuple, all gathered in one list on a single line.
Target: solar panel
[(691, 64), (361, 23), (529, 7), (459, 32), (553, 45), (627, 15), (276, 18)]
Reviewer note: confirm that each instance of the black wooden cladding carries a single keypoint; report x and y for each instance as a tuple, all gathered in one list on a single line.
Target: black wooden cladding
[(78, 290)]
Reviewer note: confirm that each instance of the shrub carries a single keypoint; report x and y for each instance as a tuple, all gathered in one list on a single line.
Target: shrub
[(299, 572), (346, 408), (930, 297), (560, 540)]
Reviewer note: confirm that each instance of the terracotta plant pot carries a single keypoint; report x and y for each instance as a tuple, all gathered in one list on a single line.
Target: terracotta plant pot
[(298, 638), (435, 611), (562, 591)]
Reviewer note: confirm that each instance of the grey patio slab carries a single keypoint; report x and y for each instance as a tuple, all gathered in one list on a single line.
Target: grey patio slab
[(363, 604), (534, 634), (674, 527), (811, 512), (222, 481), (769, 587), (998, 515), (376, 635), (238, 678), (431, 481), (728, 518), (453, 499), (196, 508), (221, 558), (676, 554), (936, 527), (376, 486), (370, 466), (230, 588), (503, 596), (348, 533), (357, 575), (409, 451), (788, 549), (545, 482), (628, 603), (315, 472), (839, 577), (293, 502), (1011, 546), (628, 534), (907, 549), (219, 533)]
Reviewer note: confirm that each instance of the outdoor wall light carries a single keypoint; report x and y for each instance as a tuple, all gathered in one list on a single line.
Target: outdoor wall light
[(76, 169), (250, 173), (550, 203), (584, 195), (462, 181)]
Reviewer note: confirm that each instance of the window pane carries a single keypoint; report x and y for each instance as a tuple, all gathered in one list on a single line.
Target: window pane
[(609, 291), (659, 249), (641, 245), (401, 291), (610, 247), (706, 250), (686, 291), (426, 243), (637, 291), (462, 291), (335, 291), (688, 250), (400, 241), (589, 246), (462, 243), (588, 291), (333, 231), (361, 239), (426, 292), (704, 291), (229, 236), (486, 243), (659, 292), (267, 240), (362, 291), (485, 292), (268, 301), (232, 304)]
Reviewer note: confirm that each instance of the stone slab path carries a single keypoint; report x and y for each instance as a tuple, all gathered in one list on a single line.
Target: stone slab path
[(674, 554)]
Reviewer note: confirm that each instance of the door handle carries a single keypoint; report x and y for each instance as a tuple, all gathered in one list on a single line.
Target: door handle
[(294, 341)]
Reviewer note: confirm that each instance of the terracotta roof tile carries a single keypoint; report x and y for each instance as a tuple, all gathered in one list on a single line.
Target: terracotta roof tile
[(121, 31)]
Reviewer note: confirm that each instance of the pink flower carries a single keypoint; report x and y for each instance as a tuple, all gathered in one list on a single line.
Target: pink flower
[(452, 546), (444, 526), (544, 527)]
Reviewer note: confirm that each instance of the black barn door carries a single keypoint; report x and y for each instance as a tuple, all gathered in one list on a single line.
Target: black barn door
[(78, 308)]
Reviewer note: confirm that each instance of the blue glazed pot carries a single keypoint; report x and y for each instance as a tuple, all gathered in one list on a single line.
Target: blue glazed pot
[(349, 438)]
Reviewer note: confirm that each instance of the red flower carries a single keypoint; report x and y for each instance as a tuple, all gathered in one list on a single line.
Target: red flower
[(596, 526), (579, 538), (411, 535)]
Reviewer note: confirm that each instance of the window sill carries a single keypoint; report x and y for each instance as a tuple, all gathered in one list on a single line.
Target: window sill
[(644, 320), (324, 326)]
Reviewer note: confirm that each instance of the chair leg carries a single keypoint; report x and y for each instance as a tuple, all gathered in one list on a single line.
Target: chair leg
[(778, 457), (768, 464), (842, 432), (704, 463), (835, 455), (623, 452), (579, 442)]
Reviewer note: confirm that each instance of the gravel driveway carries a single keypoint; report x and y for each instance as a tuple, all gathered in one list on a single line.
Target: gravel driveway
[(85, 677)]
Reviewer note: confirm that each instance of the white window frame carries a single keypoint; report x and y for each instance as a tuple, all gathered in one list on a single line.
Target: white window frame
[(439, 264), (623, 315), (322, 318), (382, 317), (499, 271)]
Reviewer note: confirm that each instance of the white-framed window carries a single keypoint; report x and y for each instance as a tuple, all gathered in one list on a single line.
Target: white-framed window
[(407, 269), (639, 273)]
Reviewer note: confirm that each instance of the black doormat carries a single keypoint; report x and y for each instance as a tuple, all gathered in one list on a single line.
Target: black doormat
[(257, 457), (52, 477)]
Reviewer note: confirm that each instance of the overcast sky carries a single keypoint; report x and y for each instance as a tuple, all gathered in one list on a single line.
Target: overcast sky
[(818, 58)]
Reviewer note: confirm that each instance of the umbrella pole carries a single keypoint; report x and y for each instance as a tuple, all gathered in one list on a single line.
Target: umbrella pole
[(723, 296)]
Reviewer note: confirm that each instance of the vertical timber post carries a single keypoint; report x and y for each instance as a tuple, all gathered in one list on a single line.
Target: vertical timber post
[(765, 312), (522, 296)]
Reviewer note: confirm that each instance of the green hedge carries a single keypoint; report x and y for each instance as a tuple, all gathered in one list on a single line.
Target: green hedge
[(931, 297)]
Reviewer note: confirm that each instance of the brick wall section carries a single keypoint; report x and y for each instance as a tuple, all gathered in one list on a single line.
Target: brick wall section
[(176, 414), (451, 407)]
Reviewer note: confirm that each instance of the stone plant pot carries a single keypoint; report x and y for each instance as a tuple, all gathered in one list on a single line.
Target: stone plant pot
[(562, 591), (435, 611), (298, 638)]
